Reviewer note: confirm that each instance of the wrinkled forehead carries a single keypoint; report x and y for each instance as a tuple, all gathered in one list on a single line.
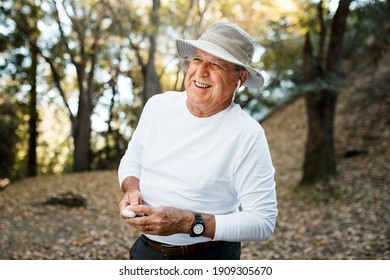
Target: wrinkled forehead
[(211, 58)]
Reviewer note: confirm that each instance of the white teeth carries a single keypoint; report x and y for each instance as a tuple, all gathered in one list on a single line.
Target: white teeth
[(201, 85)]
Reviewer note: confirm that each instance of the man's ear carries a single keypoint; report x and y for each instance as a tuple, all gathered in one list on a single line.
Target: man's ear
[(243, 77)]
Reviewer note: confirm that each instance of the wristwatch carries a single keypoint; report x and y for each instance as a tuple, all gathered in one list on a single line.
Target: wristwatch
[(197, 227)]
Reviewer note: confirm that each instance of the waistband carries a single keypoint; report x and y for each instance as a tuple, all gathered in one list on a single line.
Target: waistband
[(175, 251)]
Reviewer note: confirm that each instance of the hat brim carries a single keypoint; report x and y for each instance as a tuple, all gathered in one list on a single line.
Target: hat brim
[(186, 49)]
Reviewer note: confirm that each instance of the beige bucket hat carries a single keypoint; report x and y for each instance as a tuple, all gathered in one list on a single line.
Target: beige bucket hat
[(228, 42)]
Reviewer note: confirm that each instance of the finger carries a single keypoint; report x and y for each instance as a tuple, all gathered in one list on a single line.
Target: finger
[(124, 202), (141, 209), (142, 224), (135, 198)]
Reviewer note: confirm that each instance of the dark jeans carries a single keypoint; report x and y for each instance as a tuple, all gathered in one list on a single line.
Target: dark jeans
[(223, 251)]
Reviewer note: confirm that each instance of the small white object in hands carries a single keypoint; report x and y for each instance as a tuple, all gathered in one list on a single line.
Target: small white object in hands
[(128, 213)]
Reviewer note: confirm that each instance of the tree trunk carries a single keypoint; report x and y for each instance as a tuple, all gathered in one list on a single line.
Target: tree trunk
[(82, 134), (33, 133), (152, 84), (319, 161), (82, 123)]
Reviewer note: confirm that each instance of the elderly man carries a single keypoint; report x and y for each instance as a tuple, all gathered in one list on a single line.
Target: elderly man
[(197, 175)]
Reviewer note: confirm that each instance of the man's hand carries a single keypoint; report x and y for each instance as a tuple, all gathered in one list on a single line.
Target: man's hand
[(161, 220), (132, 195), (167, 220)]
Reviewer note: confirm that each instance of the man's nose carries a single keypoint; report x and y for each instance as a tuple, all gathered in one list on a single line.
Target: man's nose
[(203, 69)]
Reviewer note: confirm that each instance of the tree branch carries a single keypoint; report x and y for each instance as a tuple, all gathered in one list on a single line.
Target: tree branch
[(337, 35), (62, 33), (321, 43), (57, 81)]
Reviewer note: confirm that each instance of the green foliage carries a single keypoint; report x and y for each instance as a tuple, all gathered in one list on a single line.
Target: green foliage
[(369, 33), (20, 18), (123, 29), (282, 59)]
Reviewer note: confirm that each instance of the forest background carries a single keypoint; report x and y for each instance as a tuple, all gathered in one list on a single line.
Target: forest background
[(75, 75)]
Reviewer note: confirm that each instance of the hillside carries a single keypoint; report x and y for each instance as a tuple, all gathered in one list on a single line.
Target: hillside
[(354, 226)]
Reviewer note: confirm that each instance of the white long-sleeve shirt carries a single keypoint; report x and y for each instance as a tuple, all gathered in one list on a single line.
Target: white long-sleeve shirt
[(208, 165)]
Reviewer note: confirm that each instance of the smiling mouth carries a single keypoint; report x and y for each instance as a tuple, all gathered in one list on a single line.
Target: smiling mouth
[(201, 85)]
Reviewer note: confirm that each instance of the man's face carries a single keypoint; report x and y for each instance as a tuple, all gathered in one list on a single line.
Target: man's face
[(210, 84)]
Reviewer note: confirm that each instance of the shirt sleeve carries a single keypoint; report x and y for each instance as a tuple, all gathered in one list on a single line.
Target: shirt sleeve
[(255, 187), (130, 164)]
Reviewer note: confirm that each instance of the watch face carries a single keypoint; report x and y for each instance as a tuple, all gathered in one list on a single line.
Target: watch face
[(198, 229)]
